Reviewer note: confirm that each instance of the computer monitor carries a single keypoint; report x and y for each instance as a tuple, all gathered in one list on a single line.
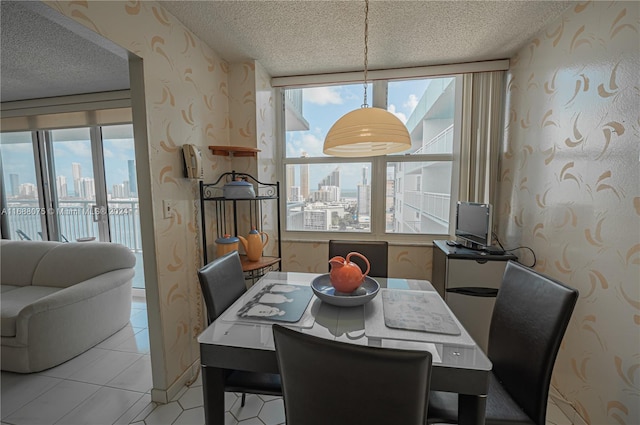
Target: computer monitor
[(474, 224)]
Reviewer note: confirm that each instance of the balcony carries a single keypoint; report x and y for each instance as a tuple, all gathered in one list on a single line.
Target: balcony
[(441, 143), (433, 205), (293, 110)]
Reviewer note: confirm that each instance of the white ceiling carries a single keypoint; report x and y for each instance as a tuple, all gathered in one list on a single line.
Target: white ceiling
[(309, 37), (44, 54)]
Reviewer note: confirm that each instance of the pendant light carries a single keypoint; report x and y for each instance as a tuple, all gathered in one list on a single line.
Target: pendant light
[(366, 131)]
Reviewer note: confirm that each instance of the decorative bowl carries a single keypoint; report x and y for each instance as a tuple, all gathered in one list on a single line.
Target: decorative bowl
[(323, 289)]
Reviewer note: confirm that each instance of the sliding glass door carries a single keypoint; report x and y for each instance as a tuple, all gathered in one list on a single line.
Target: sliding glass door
[(72, 185), (78, 197)]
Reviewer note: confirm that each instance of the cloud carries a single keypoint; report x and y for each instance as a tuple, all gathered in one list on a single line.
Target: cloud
[(412, 102), (309, 143), (323, 96), (400, 115), (80, 149), (18, 148)]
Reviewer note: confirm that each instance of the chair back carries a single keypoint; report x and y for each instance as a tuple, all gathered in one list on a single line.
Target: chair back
[(529, 320), (222, 282), (375, 251), (330, 382)]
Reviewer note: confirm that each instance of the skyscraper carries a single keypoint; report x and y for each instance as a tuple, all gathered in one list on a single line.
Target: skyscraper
[(291, 182), (333, 179), (133, 181), (61, 186), (87, 188), (364, 196), (304, 178), (76, 171), (15, 184)]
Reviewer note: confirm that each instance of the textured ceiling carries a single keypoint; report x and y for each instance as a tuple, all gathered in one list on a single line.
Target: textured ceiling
[(44, 54), (39, 57), (309, 37)]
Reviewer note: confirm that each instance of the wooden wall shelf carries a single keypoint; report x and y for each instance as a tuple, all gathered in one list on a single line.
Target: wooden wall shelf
[(234, 151)]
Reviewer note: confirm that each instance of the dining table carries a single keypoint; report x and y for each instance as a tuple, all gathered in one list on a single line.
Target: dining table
[(238, 341)]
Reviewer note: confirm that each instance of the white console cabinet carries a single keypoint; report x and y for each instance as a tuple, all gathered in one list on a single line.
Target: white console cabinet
[(469, 281)]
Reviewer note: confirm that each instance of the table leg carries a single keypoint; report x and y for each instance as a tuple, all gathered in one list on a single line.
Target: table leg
[(213, 395), (471, 409)]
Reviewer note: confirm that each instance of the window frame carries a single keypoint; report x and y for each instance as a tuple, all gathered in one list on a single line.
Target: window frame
[(378, 169)]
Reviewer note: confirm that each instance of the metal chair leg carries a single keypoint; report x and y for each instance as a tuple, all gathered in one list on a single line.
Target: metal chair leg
[(244, 396)]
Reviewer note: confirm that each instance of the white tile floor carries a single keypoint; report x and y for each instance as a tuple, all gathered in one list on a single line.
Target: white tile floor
[(111, 384)]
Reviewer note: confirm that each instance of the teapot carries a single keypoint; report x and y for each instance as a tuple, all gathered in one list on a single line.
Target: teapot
[(225, 244), (346, 276), (253, 244)]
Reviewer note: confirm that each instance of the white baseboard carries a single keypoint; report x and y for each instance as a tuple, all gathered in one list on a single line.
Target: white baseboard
[(189, 375)]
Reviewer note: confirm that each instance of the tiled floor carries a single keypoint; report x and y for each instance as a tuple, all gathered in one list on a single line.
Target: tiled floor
[(111, 384)]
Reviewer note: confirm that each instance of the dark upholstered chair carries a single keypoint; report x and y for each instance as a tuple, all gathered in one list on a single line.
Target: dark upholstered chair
[(330, 382), (375, 251), (222, 283), (529, 319)]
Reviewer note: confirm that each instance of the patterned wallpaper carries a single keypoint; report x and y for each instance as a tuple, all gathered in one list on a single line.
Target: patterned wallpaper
[(187, 101), (570, 189), (410, 262), (253, 125)]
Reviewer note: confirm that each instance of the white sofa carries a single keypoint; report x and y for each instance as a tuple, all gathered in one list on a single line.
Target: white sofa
[(60, 299)]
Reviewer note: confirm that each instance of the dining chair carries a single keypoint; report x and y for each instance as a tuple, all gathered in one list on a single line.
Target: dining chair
[(331, 382), (529, 320), (222, 283), (375, 251)]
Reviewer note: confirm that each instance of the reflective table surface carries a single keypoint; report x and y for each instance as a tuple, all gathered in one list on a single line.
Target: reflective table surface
[(232, 342)]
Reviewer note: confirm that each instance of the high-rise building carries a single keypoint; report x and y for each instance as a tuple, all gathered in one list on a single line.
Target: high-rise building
[(76, 171), (61, 187), (87, 188), (304, 177), (325, 194), (333, 179), (364, 195), (15, 184), (133, 180), (291, 181), (294, 194), (27, 190)]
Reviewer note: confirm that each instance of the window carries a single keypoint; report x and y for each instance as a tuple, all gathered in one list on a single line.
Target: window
[(406, 194)]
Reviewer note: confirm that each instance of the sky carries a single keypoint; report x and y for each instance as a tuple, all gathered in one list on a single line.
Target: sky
[(323, 106)]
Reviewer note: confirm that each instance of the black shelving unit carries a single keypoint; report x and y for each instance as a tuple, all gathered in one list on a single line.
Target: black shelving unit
[(226, 218)]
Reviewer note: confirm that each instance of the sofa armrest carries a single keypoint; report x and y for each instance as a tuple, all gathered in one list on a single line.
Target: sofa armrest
[(69, 298)]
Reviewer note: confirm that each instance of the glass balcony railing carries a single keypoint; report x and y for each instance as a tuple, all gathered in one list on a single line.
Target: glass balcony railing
[(441, 143), (434, 205), (75, 219)]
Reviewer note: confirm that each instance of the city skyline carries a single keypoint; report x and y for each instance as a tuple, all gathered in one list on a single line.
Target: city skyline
[(17, 157)]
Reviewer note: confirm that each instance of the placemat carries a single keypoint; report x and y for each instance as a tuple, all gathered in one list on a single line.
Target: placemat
[(277, 302), (417, 311), (374, 326)]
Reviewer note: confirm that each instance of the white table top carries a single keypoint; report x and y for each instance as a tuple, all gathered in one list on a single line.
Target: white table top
[(357, 325)]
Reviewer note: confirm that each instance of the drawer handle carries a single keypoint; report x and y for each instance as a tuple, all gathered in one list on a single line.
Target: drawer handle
[(474, 291)]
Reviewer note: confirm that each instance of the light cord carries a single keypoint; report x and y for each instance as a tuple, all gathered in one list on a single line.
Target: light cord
[(366, 49)]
